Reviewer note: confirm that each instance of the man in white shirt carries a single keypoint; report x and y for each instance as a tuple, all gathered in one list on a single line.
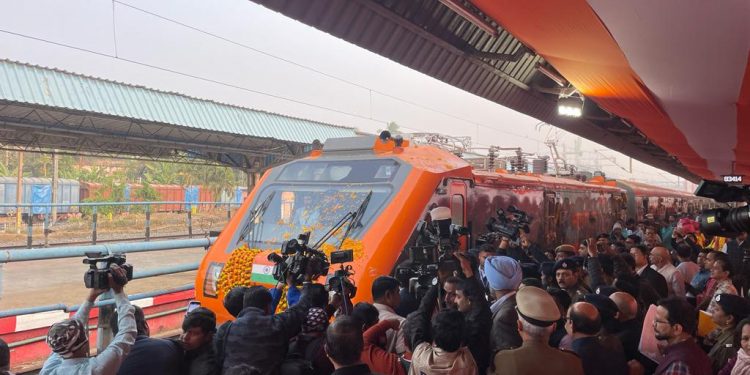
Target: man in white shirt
[(69, 339), (661, 261), (385, 294)]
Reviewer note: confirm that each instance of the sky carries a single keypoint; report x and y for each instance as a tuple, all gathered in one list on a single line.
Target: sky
[(240, 53)]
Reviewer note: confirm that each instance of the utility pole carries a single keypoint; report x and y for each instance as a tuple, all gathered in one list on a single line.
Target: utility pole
[(19, 193), (55, 160)]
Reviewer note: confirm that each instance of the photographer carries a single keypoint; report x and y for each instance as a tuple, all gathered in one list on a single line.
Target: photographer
[(438, 348), (259, 338), (526, 251), (69, 339)]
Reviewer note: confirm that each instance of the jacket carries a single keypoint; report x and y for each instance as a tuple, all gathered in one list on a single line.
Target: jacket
[(675, 280), (723, 350), (478, 328), (395, 338), (597, 359), (656, 280), (200, 361), (151, 356), (429, 359), (504, 329), (534, 358), (309, 347), (261, 340), (378, 359), (687, 353), (109, 360)]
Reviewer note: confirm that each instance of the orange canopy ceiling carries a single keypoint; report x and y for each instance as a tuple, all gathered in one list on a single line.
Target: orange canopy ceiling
[(676, 69)]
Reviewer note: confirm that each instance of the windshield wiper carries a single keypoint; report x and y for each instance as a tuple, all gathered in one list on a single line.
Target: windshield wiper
[(356, 219), (254, 214), (353, 218)]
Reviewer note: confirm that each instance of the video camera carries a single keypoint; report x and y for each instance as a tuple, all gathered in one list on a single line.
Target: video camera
[(295, 259), (433, 251), (340, 281), (97, 276), (724, 222), (506, 224)]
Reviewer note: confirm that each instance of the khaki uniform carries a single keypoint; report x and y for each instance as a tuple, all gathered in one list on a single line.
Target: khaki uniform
[(534, 358)]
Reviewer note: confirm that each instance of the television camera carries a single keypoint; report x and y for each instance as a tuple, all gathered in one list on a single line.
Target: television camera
[(340, 282), (97, 276), (433, 251), (296, 259), (507, 223), (725, 222)]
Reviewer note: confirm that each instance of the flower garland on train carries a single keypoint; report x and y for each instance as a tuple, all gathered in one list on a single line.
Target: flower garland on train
[(238, 269)]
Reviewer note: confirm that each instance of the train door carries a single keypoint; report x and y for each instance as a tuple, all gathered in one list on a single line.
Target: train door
[(550, 224), (457, 190)]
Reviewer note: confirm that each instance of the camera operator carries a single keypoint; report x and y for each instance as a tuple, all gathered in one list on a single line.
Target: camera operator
[(258, 337), (735, 248), (525, 251), (69, 339)]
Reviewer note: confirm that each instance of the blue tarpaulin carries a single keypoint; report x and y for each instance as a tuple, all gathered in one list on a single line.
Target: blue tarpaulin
[(41, 194), (191, 196)]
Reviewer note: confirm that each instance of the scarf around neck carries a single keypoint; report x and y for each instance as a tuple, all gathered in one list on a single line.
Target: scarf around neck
[(742, 366)]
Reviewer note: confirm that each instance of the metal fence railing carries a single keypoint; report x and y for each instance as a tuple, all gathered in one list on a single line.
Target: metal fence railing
[(105, 304), (94, 222)]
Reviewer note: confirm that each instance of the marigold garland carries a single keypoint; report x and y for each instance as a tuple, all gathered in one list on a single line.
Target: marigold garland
[(239, 267)]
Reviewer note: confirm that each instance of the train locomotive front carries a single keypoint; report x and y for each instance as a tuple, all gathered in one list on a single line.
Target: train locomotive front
[(383, 188)]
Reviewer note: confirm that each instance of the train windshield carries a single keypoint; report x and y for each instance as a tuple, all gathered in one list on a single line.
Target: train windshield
[(284, 211)]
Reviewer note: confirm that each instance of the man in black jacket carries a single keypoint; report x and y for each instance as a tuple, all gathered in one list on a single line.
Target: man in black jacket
[(583, 323), (477, 315), (259, 338), (148, 356), (640, 254), (198, 330)]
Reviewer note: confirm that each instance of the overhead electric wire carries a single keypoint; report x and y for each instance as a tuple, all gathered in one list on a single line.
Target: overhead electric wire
[(314, 70)]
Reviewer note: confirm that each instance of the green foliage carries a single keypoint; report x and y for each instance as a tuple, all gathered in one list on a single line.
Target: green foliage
[(111, 191)]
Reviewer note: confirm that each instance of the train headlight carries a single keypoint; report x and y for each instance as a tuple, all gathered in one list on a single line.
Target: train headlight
[(212, 278)]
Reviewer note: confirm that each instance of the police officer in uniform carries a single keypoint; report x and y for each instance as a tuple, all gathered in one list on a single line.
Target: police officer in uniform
[(568, 278), (537, 317)]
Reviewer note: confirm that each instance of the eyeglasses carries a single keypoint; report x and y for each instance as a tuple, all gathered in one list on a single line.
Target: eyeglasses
[(662, 322)]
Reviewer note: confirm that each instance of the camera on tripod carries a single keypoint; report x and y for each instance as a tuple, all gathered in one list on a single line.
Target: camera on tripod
[(340, 281), (506, 224), (295, 259), (97, 276)]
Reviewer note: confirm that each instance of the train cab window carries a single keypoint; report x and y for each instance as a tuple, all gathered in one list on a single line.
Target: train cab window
[(457, 209), (346, 171)]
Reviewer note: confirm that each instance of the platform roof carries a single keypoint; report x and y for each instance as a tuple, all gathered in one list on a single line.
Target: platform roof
[(44, 108), (485, 57)]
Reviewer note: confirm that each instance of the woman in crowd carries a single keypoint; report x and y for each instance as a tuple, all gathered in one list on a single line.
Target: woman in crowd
[(740, 364), (730, 309), (722, 273)]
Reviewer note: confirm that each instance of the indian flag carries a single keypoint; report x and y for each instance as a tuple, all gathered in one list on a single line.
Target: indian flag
[(262, 273)]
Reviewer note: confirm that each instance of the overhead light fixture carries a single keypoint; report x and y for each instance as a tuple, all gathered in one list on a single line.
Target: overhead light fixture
[(460, 8), (570, 106)]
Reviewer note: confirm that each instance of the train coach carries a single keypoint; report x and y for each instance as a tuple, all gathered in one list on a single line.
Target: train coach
[(39, 191), (389, 186)]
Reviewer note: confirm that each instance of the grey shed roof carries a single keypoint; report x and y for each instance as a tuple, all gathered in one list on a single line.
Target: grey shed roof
[(54, 88)]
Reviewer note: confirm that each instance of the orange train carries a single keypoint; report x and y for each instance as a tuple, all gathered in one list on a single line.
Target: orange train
[(396, 185)]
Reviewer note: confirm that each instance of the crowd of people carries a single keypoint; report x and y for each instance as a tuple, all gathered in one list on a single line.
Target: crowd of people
[(508, 307)]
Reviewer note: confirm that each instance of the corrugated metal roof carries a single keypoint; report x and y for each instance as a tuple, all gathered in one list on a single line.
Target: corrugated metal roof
[(35, 85), (427, 36)]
